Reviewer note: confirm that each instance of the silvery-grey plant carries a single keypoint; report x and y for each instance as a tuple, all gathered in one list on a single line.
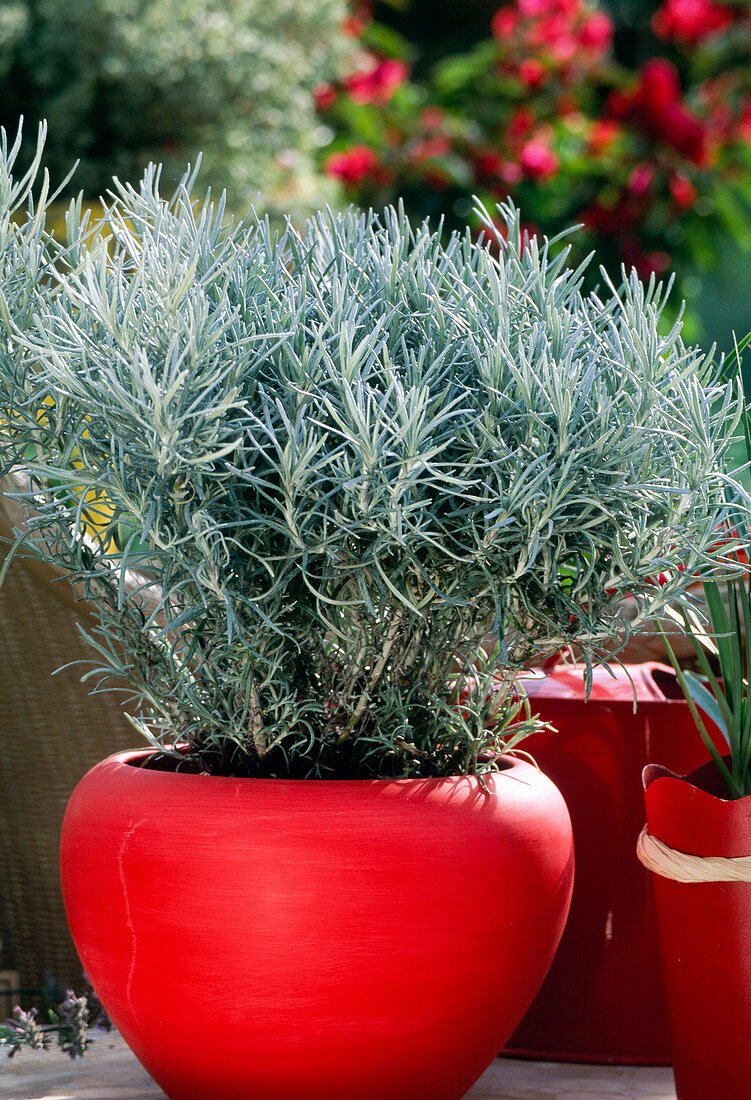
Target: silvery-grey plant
[(338, 459)]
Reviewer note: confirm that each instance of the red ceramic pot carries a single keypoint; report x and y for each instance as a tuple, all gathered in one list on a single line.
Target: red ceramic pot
[(705, 934), (320, 939), (603, 999)]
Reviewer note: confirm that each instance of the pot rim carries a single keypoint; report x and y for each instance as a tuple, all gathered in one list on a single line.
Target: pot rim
[(130, 758), (705, 778), (685, 813)]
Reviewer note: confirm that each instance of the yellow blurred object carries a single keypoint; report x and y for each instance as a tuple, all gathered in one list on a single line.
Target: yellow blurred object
[(56, 212), (97, 515), (98, 511)]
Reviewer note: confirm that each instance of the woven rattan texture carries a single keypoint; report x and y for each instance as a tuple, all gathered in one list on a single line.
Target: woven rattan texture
[(51, 732)]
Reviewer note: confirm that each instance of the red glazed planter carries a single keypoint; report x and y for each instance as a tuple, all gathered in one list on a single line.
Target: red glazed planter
[(705, 934), (327, 940), (603, 999)]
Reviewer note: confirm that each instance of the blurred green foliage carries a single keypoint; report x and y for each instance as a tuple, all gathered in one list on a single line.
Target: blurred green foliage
[(123, 82)]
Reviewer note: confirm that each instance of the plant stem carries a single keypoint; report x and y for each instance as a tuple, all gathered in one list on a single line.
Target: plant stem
[(362, 702)]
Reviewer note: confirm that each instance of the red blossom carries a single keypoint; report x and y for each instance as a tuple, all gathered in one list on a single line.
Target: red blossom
[(556, 37), (659, 87), (377, 84), (430, 147), (563, 34), (532, 73), (537, 160), (511, 173), (596, 32), (690, 22), (536, 9), (355, 23), (503, 23), (683, 191), (352, 165), (520, 124), (487, 165), (490, 167), (744, 123), (324, 96), (686, 134), (656, 106), (603, 133), (641, 179)]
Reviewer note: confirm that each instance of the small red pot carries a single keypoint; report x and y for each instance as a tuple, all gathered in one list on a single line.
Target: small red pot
[(320, 939), (602, 1000), (705, 934)]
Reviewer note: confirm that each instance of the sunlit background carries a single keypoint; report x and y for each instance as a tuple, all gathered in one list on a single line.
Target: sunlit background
[(630, 118)]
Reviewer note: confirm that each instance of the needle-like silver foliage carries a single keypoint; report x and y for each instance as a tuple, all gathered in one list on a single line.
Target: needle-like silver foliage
[(343, 456)]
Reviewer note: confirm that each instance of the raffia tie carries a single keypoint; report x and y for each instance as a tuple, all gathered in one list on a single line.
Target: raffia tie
[(682, 867)]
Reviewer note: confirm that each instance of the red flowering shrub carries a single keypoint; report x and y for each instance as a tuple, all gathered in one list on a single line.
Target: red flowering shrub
[(690, 22), (537, 161), (353, 165), (653, 159), (656, 106), (378, 82)]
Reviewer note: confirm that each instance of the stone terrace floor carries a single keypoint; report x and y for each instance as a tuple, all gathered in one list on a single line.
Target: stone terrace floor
[(110, 1072)]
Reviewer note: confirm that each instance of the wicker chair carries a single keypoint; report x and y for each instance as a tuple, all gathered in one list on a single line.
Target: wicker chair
[(51, 732)]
